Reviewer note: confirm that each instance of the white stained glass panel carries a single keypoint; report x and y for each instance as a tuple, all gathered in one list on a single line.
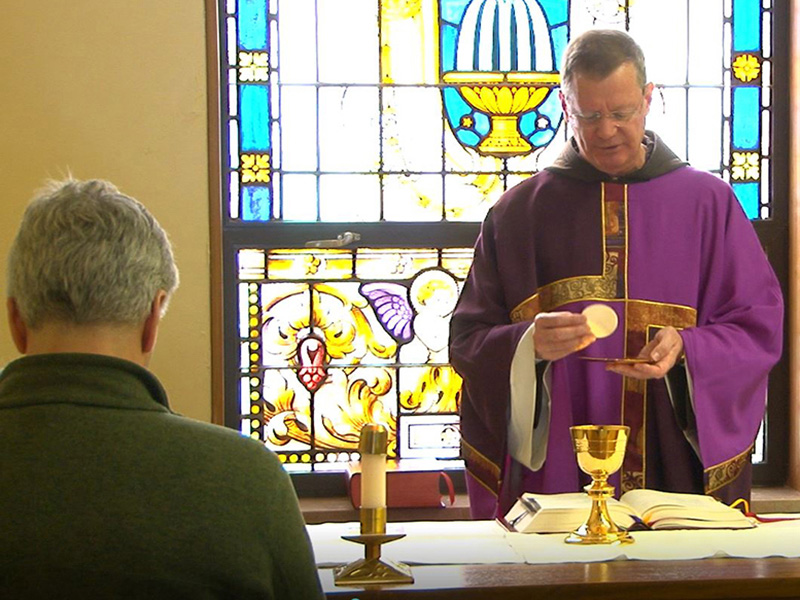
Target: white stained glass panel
[(393, 263), (298, 48), (299, 139), (348, 129), (470, 196), (412, 129), (412, 197), (705, 133), (243, 314), (349, 198), (459, 159), (244, 356), (244, 401), (421, 433), (766, 83), (407, 43), (234, 195), (299, 198), (667, 117), (661, 33), (705, 42), (536, 161), (232, 43), (349, 42), (233, 93)]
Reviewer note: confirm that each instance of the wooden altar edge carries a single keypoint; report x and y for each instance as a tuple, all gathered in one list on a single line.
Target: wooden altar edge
[(705, 579)]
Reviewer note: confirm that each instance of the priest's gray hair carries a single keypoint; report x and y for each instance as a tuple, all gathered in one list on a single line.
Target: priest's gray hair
[(599, 52), (87, 254)]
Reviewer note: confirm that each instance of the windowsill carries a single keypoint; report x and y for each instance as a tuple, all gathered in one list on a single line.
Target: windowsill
[(340, 510), (775, 500)]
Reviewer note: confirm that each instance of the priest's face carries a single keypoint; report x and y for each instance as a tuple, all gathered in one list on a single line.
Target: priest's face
[(607, 118)]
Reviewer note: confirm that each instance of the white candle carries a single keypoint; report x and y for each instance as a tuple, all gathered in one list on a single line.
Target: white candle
[(373, 480)]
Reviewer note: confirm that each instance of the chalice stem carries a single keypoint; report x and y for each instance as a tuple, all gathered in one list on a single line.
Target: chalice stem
[(600, 521)]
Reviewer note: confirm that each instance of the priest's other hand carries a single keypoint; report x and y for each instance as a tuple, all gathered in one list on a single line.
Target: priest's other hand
[(664, 350), (558, 334)]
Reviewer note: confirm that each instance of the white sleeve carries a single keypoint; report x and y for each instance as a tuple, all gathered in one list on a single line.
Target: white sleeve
[(527, 445)]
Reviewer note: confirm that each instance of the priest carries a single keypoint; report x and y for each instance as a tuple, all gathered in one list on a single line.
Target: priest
[(617, 220)]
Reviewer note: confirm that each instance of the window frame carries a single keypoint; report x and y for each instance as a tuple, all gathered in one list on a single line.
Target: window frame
[(226, 238)]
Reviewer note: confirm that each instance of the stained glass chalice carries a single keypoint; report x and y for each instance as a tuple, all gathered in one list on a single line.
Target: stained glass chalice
[(505, 97), (600, 450)]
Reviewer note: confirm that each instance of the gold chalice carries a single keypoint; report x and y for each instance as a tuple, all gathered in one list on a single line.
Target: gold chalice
[(599, 450)]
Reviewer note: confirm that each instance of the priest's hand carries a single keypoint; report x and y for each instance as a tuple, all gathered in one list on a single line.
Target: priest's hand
[(665, 349), (558, 334)]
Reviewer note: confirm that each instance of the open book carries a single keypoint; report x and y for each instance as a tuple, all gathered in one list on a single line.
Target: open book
[(646, 509)]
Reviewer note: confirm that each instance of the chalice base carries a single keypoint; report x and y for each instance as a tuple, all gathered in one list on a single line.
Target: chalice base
[(599, 528), (504, 138), (585, 535)]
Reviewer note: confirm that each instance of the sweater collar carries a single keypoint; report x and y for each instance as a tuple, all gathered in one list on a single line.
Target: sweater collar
[(87, 379)]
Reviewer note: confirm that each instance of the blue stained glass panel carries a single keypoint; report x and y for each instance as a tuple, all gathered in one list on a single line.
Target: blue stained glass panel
[(254, 107), (560, 39), (747, 193), (555, 10), (746, 108), (253, 29), (256, 203), (747, 25), (453, 9), (448, 40)]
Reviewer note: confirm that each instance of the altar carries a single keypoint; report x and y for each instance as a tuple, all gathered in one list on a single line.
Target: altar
[(480, 559)]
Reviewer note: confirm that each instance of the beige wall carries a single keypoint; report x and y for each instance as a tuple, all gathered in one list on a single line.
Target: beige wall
[(115, 89)]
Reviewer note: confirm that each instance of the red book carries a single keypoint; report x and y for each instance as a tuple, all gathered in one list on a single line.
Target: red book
[(406, 488)]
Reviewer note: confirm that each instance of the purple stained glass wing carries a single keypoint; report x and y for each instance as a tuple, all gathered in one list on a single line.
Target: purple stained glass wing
[(391, 305)]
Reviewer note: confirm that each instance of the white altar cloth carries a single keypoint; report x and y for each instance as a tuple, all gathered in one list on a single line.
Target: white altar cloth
[(426, 543), (486, 542)]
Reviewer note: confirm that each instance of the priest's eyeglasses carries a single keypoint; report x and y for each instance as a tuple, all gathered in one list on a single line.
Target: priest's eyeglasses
[(619, 117)]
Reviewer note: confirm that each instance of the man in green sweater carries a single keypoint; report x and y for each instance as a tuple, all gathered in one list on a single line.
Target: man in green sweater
[(104, 492)]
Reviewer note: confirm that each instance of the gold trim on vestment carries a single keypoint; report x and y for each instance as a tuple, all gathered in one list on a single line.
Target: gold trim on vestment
[(660, 314), (551, 296), (486, 468), (720, 475)]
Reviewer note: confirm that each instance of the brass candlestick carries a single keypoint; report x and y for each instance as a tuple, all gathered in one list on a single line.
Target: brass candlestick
[(372, 569), (599, 450)]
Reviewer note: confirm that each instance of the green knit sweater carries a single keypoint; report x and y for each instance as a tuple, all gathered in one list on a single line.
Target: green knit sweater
[(105, 493)]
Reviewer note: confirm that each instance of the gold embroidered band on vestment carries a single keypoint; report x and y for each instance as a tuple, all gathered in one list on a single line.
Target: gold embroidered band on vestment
[(483, 469), (726, 472)]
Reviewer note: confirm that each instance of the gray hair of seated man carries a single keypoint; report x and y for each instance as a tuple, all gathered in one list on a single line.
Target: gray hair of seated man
[(599, 52), (87, 254)]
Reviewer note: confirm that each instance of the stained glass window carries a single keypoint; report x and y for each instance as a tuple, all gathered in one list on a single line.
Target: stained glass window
[(402, 121)]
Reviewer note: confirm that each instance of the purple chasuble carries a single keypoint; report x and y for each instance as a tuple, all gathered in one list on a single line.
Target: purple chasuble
[(670, 246)]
